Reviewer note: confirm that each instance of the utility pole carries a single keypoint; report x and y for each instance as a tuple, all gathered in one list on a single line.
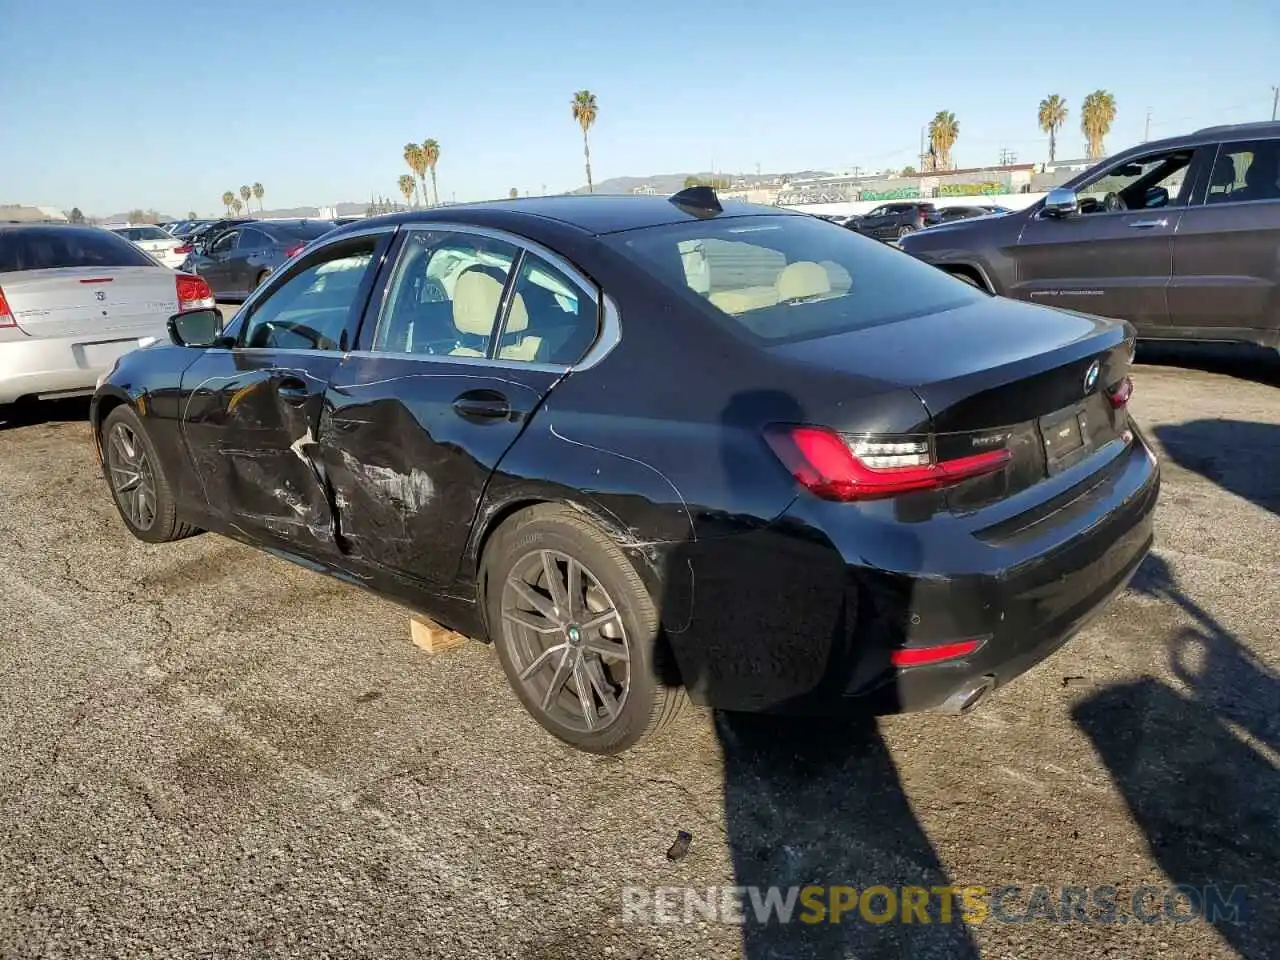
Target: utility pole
[(1007, 157), (1146, 131), (1275, 101)]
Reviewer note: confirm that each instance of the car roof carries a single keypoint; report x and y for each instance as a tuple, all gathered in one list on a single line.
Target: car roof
[(1230, 131), (591, 213)]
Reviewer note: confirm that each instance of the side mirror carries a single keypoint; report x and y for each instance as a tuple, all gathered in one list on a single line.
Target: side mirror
[(195, 328), (1061, 202)]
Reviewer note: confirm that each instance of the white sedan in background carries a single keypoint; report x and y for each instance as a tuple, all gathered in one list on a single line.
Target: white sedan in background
[(73, 300), (154, 241)]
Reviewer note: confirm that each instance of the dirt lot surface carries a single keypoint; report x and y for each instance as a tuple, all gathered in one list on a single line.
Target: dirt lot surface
[(208, 752)]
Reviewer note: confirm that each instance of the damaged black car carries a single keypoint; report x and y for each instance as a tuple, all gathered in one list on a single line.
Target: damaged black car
[(657, 451)]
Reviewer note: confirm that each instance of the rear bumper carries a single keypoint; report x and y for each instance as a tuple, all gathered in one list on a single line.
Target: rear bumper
[(794, 619), (41, 367)]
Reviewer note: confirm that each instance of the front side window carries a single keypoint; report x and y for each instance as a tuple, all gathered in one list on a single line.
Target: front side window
[(225, 242), (444, 296), (315, 306), (1143, 184), (781, 277), (1243, 171)]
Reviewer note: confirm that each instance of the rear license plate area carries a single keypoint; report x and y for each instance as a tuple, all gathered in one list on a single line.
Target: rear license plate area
[(95, 356), (1065, 434)]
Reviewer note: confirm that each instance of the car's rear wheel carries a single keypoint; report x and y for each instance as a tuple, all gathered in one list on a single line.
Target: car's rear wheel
[(260, 279), (903, 231), (575, 629), (138, 484)]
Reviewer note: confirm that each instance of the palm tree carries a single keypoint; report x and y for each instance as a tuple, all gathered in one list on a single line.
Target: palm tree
[(418, 165), (1053, 114), (226, 200), (258, 191), (236, 206), (408, 184), (1096, 116), (585, 110), (513, 193), (430, 157), (191, 215), (944, 130), (246, 192)]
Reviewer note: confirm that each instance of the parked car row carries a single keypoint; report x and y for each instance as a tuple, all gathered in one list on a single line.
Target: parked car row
[(469, 410)]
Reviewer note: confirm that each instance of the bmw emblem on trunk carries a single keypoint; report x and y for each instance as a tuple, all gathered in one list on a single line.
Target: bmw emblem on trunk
[(1091, 376), (100, 295)]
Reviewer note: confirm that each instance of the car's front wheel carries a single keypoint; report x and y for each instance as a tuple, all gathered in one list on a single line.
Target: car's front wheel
[(138, 483), (575, 629)]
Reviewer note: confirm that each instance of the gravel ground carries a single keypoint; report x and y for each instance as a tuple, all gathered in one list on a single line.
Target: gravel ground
[(208, 752)]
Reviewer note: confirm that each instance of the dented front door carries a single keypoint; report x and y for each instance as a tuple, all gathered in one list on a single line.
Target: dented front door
[(250, 421)]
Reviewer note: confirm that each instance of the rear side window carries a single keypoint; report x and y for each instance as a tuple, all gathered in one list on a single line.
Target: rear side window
[(43, 248), (782, 278), (303, 231)]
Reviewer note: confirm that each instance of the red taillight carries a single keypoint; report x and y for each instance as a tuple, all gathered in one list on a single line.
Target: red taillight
[(1119, 394), (919, 656), (6, 315), (294, 250), (837, 468), (193, 293), (184, 249)]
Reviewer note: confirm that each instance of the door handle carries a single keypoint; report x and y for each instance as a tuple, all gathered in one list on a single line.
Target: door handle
[(482, 405), (292, 390), (1147, 224)]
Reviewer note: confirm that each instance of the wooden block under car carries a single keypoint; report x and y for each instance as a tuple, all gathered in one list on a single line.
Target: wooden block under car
[(432, 637)]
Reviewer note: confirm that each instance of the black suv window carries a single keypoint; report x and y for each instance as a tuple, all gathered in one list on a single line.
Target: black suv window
[(1141, 184), (1246, 170)]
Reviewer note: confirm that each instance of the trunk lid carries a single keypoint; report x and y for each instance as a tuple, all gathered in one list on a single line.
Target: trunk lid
[(996, 374), (91, 302)]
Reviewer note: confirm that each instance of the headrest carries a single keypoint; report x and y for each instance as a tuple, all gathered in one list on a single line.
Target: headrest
[(801, 280), (476, 296)]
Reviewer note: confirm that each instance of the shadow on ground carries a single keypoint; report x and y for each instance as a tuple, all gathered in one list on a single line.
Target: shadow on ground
[(46, 411), (820, 802), (1241, 456), (1192, 769), (1230, 360)]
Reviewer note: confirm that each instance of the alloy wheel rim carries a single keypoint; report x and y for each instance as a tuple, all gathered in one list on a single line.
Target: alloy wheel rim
[(567, 641), (132, 476)]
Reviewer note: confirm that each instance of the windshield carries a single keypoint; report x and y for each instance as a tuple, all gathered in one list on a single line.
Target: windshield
[(42, 248), (782, 278)]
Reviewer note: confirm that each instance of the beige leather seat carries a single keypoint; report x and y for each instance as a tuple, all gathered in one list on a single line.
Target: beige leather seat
[(802, 280), (743, 299), (476, 296)]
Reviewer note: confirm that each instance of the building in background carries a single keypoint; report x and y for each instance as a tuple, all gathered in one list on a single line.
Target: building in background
[(30, 212)]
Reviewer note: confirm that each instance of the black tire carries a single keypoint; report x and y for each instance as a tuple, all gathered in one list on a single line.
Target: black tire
[(259, 280), (904, 231), (121, 430), (647, 704)]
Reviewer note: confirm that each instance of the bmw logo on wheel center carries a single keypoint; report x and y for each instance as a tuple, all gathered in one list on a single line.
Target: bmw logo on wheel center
[(1091, 376)]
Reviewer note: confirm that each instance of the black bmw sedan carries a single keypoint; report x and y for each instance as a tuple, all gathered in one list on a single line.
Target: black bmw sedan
[(235, 260), (657, 450)]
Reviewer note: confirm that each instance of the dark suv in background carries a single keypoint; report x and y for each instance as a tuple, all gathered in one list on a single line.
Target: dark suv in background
[(892, 221), (1180, 237)]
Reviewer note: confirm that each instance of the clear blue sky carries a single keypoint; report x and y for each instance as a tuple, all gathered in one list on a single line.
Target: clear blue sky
[(110, 106)]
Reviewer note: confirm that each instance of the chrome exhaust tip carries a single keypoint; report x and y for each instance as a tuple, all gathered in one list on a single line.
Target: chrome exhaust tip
[(968, 697)]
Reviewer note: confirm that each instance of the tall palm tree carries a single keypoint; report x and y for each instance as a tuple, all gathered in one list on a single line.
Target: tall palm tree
[(226, 200), (246, 192), (585, 110), (418, 165), (1053, 114), (944, 130), (513, 193), (1096, 116), (408, 184), (258, 192), (236, 206), (431, 156)]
